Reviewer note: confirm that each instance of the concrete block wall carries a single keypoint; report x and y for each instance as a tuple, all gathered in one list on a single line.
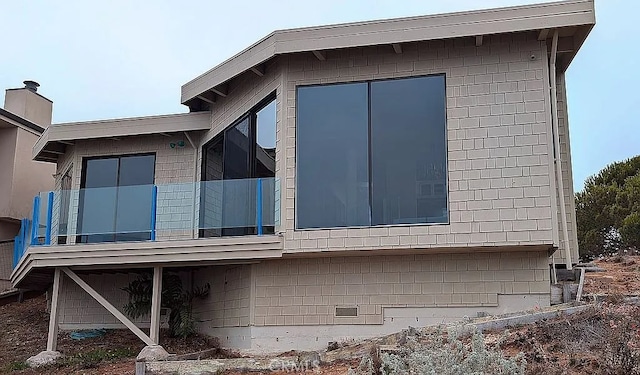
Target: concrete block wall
[(498, 138), (228, 303), (78, 310), (174, 173), (307, 291), (6, 262)]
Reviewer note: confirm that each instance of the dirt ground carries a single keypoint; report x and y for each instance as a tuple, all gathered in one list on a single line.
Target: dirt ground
[(595, 341), (23, 333), (622, 277)]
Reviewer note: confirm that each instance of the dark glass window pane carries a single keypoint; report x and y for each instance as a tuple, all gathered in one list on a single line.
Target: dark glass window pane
[(236, 151), (266, 141), (101, 173), (211, 193), (98, 200), (136, 170), (266, 160), (408, 151), (237, 199), (133, 210), (332, 168)]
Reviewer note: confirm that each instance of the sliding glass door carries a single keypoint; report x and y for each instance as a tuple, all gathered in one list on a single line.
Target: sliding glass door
[(115, 199)]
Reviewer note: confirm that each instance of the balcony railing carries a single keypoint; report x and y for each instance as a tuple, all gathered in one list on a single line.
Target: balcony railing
[(152, 212)]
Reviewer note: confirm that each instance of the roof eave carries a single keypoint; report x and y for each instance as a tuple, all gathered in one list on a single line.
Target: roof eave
[(402, 30), (54, 140)]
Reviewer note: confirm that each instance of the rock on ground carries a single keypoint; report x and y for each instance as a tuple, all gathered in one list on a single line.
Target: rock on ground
[(152, 353), (43, 358)]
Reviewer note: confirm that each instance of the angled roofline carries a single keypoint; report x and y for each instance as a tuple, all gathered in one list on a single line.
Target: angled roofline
[(393, 31), (21, 122), (54, 139)]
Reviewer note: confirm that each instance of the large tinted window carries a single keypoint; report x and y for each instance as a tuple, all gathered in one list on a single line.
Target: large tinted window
[(241, 154), (408, 151), (332, 163), (371, 153)]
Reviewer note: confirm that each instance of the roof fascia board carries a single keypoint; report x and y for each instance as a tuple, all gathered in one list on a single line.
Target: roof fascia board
[(402, 30), (20, 122), (122, 128)]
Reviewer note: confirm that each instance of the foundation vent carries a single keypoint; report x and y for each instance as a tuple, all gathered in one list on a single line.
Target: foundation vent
[(346, 311)]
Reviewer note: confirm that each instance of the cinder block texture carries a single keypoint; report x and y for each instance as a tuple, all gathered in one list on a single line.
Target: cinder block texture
[(498, 140), (307, 291)]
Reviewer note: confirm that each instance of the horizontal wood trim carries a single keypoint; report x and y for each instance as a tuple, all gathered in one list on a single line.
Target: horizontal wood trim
[(136, 254)]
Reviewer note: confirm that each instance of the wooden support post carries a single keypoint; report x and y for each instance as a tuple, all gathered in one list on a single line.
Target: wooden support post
[(115, 312), (52, 339), (580, 285), (156, 303)]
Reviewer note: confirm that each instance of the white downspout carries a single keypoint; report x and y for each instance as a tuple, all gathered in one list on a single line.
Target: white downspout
[(556, 142), (194, 230)]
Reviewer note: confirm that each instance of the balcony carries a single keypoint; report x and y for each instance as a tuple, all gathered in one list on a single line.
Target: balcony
[(143, 224)]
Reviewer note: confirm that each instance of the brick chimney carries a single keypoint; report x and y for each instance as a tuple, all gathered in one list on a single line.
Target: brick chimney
[(27, 103)]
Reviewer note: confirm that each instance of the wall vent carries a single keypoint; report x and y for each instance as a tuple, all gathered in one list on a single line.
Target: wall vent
[(346, 311)]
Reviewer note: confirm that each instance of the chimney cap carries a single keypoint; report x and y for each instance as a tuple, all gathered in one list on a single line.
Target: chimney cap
[(31, 85)]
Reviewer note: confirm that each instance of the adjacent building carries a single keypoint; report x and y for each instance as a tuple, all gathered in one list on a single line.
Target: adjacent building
[(328, 182), (26, 114)]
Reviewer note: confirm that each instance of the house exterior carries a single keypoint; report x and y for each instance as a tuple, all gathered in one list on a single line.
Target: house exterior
[(24, 117), (330, 182)]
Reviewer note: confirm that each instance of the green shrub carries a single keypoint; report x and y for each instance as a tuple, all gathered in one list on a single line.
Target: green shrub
[(174, 297)]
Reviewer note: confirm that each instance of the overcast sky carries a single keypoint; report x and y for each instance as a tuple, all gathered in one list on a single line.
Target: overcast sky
[(122, 58)]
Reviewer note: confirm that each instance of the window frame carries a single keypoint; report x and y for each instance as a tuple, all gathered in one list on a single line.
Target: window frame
[(369, 154)]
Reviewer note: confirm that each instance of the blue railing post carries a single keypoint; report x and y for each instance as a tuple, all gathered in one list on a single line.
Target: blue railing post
[(154, 209), (259, 206), (20, 241), (35, 221), (47, 236)]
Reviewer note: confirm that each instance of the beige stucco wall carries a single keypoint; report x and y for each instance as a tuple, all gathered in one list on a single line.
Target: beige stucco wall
[(30, 177), (8, 138), (20, 177), (498, 133), (29, 105)]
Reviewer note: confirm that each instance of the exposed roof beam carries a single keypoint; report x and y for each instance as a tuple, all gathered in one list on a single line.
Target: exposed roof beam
[(544, 33), (208, 97), (48, 158), (397, 47), (56, 148), (165, 134), (479, 40), (70, 143), (220, 90), (320, 55), (259, 70)]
